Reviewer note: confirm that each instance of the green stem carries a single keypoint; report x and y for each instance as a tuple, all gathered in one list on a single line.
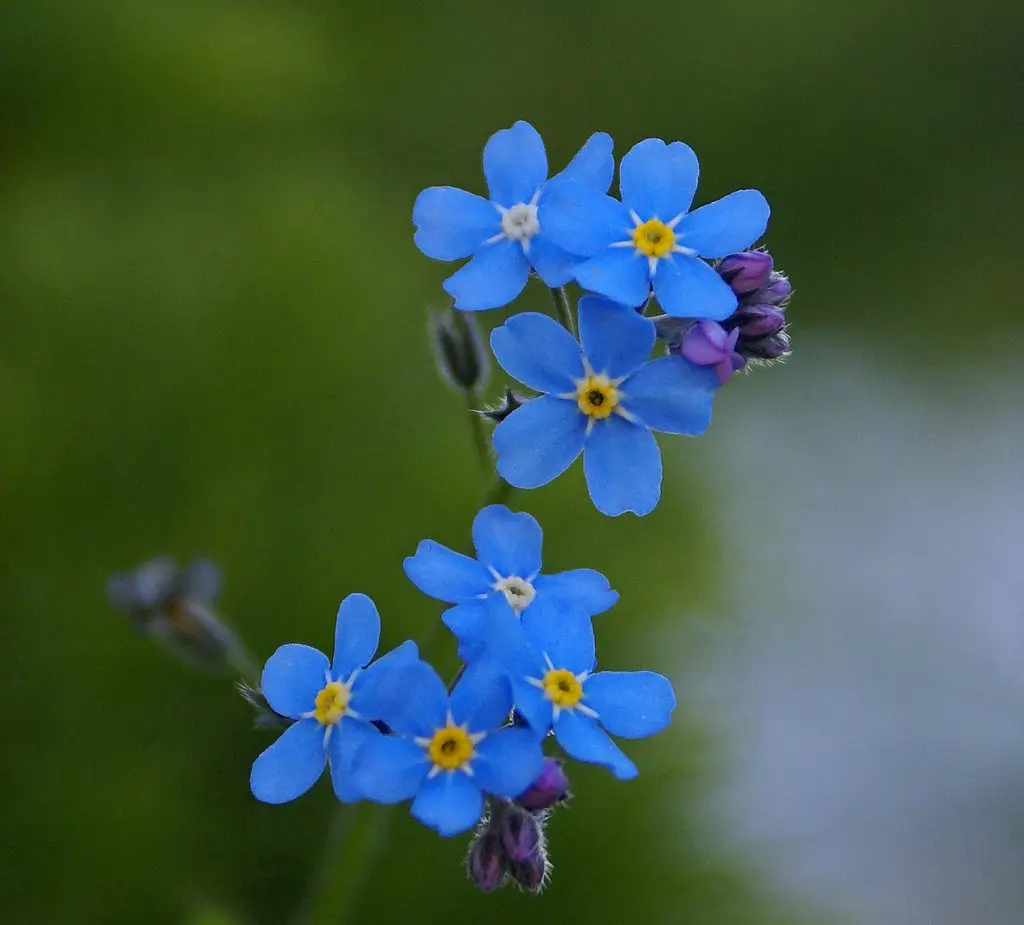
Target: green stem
[(562, 308), (478, 432)]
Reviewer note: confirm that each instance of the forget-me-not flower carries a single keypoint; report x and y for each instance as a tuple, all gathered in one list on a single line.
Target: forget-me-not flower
[(332, 703), (603, 400), (651, 238), (508, 563), (448, 751), (551, 668), (503, 233)]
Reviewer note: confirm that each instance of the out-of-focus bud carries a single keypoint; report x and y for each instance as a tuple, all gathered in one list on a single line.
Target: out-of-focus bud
[(757, 321), (707, 343), (521, 835), (550, 788), (458, 349), (531, 875), (746, 271), (773, 347), (502, 409), (485, 862)]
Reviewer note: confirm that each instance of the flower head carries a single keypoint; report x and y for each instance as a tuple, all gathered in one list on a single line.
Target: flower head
[(508, 563), (447, 751), (333, 703), (759, 318), (504, 234), (602, 398), (650, 238)]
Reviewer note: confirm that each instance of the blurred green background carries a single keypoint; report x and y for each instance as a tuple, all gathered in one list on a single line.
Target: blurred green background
[(213, 343)]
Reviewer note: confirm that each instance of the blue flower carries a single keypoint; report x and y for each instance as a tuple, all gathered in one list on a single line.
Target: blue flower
[(448, 752), (551, 668), (603, 400), (332, 703), (650, 238), (507, 565), (504, 236)]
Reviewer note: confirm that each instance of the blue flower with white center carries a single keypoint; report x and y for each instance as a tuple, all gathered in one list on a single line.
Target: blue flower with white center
[(650, 238), (332, 703), (504, 235), (603, 400), (551, 668), (448, 751), (507, 565)]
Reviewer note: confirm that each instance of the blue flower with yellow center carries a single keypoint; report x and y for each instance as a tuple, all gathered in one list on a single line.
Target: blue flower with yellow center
[(507, 565), (447, 751), (602, 399), (332, 703), (503, 234), (550, 665), (651, 238)]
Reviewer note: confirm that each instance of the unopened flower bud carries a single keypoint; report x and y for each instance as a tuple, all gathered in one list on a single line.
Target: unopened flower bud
[(757, 321), (532, 875), (746, 271), (485, 862), (773, 347), (776, 290), (520, 831), (458, 349), (266, 717), (550, 788), (502, 409)]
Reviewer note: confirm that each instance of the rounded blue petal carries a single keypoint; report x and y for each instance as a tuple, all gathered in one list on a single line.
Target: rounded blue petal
[(343, 743), (539, 441), (507, 761), (687, 287), (494, 277), (539, 352), (584, 740), (593, 166), (616, 340), (451, 223), (467, 624), (622, 464), (389, 769), (292, 678), (632, 704), (566, 637), (449, 803), (531, 703), (372, 686), (482, 700), (582, 588), (506, 643), (620, 273), (291, 765), (730, 224), (411, 699), (581, 220), (447, 575), (553, 264), (515, 164), (658, 180), (356, 634), (672, 395), (508, 542)]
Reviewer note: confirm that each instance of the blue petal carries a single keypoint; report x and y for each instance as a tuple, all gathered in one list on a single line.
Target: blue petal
[(292, 678), (467, 624), (580, 219), (345, 740), (568, 640), (730, 224), (534, 707), (507, 762), (389, 769), (582, 588), (632, 704), (539, 352), (291, 765), (584, 740), (539, 441), (687, 287), (506, 643), (622, 464), (447, 575), (356, 634), (372, 686), (553, 264), (449, 803), (509, 543), (616, 340), (672, 395), (658, 180), (494, 277), (515, 164), (482, 700), (620, 273), (593, 166), (411, 699), (451, 223)]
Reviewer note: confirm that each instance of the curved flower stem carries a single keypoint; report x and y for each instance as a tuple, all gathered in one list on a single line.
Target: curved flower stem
[(478, 432), (563, 309)]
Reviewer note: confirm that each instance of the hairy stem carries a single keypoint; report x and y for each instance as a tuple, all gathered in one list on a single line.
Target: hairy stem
[(478, 432)]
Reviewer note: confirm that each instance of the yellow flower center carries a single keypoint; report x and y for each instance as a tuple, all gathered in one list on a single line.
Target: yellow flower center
[(450, 748), (562, 688), (596, 396), (654, 238), (331, 703)]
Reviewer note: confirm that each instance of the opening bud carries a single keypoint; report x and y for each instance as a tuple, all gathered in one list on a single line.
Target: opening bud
[(549, 789)]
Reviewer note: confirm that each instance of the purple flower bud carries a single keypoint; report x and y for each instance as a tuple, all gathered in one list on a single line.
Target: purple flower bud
[(485, 863), (550, 787), (707, 343), (532, 875), (520, 832), (773, 347), (746, 271), (755, 321), (776, 290)]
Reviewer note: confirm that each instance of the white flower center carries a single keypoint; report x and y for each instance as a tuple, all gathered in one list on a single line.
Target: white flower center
[(518, 592), (519, 223)]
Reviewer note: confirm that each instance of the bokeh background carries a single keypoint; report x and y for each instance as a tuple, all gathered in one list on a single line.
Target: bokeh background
[(213, 343)]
